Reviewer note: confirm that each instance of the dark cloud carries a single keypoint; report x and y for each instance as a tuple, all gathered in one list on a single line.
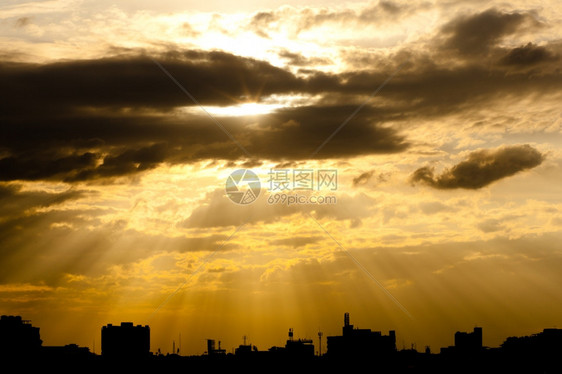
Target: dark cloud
[(217, 78), (475, 34), (299, 131), (482, 168), (368, 176), (134, 83), (35, 166), (16, 202), (363, 178), (261, 22), (23, 21), (120, 116), (528, 55), (87, 148), (128, 162), (306, 18), (431, 91), (296, 59), (92, 119)]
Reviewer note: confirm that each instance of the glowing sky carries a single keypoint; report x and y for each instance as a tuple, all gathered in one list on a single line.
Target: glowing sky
[(112, 180)]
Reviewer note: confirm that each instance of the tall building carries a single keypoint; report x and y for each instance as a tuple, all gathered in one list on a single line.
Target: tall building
[(212, 351), (18, 337), (469, 341), (360, 342), (125, 341)]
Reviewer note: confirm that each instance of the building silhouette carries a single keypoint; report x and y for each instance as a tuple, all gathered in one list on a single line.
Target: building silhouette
[(360, 342), (300, 348), (215, 352), (245, 350), (68, 352), (125, 342), (126, 348), (294, 349), (469, 341), (466, 343), (542, 350), (18, 337)]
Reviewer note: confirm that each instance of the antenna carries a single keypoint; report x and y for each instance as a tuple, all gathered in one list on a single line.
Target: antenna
[(320, 333), (244, 339), (291, 334)]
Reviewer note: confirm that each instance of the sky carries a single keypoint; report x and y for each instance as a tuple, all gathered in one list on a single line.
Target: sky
[(122, 121)]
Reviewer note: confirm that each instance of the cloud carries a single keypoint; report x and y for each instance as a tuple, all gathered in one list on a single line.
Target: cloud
[(78, 241), (16, 202), (23, 21), (368, 176), (261, 22), (113, 117), (306, 18), (101, 147), (476, 34), (482, 168), (25, 287), (397, 283), (363, 178), (100, 119), (296, 59), (216, 210), (490, 225), (134, 81), (433, 207), (297, 241), (35, 166), (528, 55)]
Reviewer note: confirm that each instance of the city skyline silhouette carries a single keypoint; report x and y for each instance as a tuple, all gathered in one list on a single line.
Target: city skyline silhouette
[(128, 345), (218, 173)]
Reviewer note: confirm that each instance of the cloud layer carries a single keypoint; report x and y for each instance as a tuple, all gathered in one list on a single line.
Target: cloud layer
[(105, 118), (482, 168)]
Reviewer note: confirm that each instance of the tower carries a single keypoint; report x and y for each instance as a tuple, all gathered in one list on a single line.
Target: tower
[(210, 347), (347, 327)]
